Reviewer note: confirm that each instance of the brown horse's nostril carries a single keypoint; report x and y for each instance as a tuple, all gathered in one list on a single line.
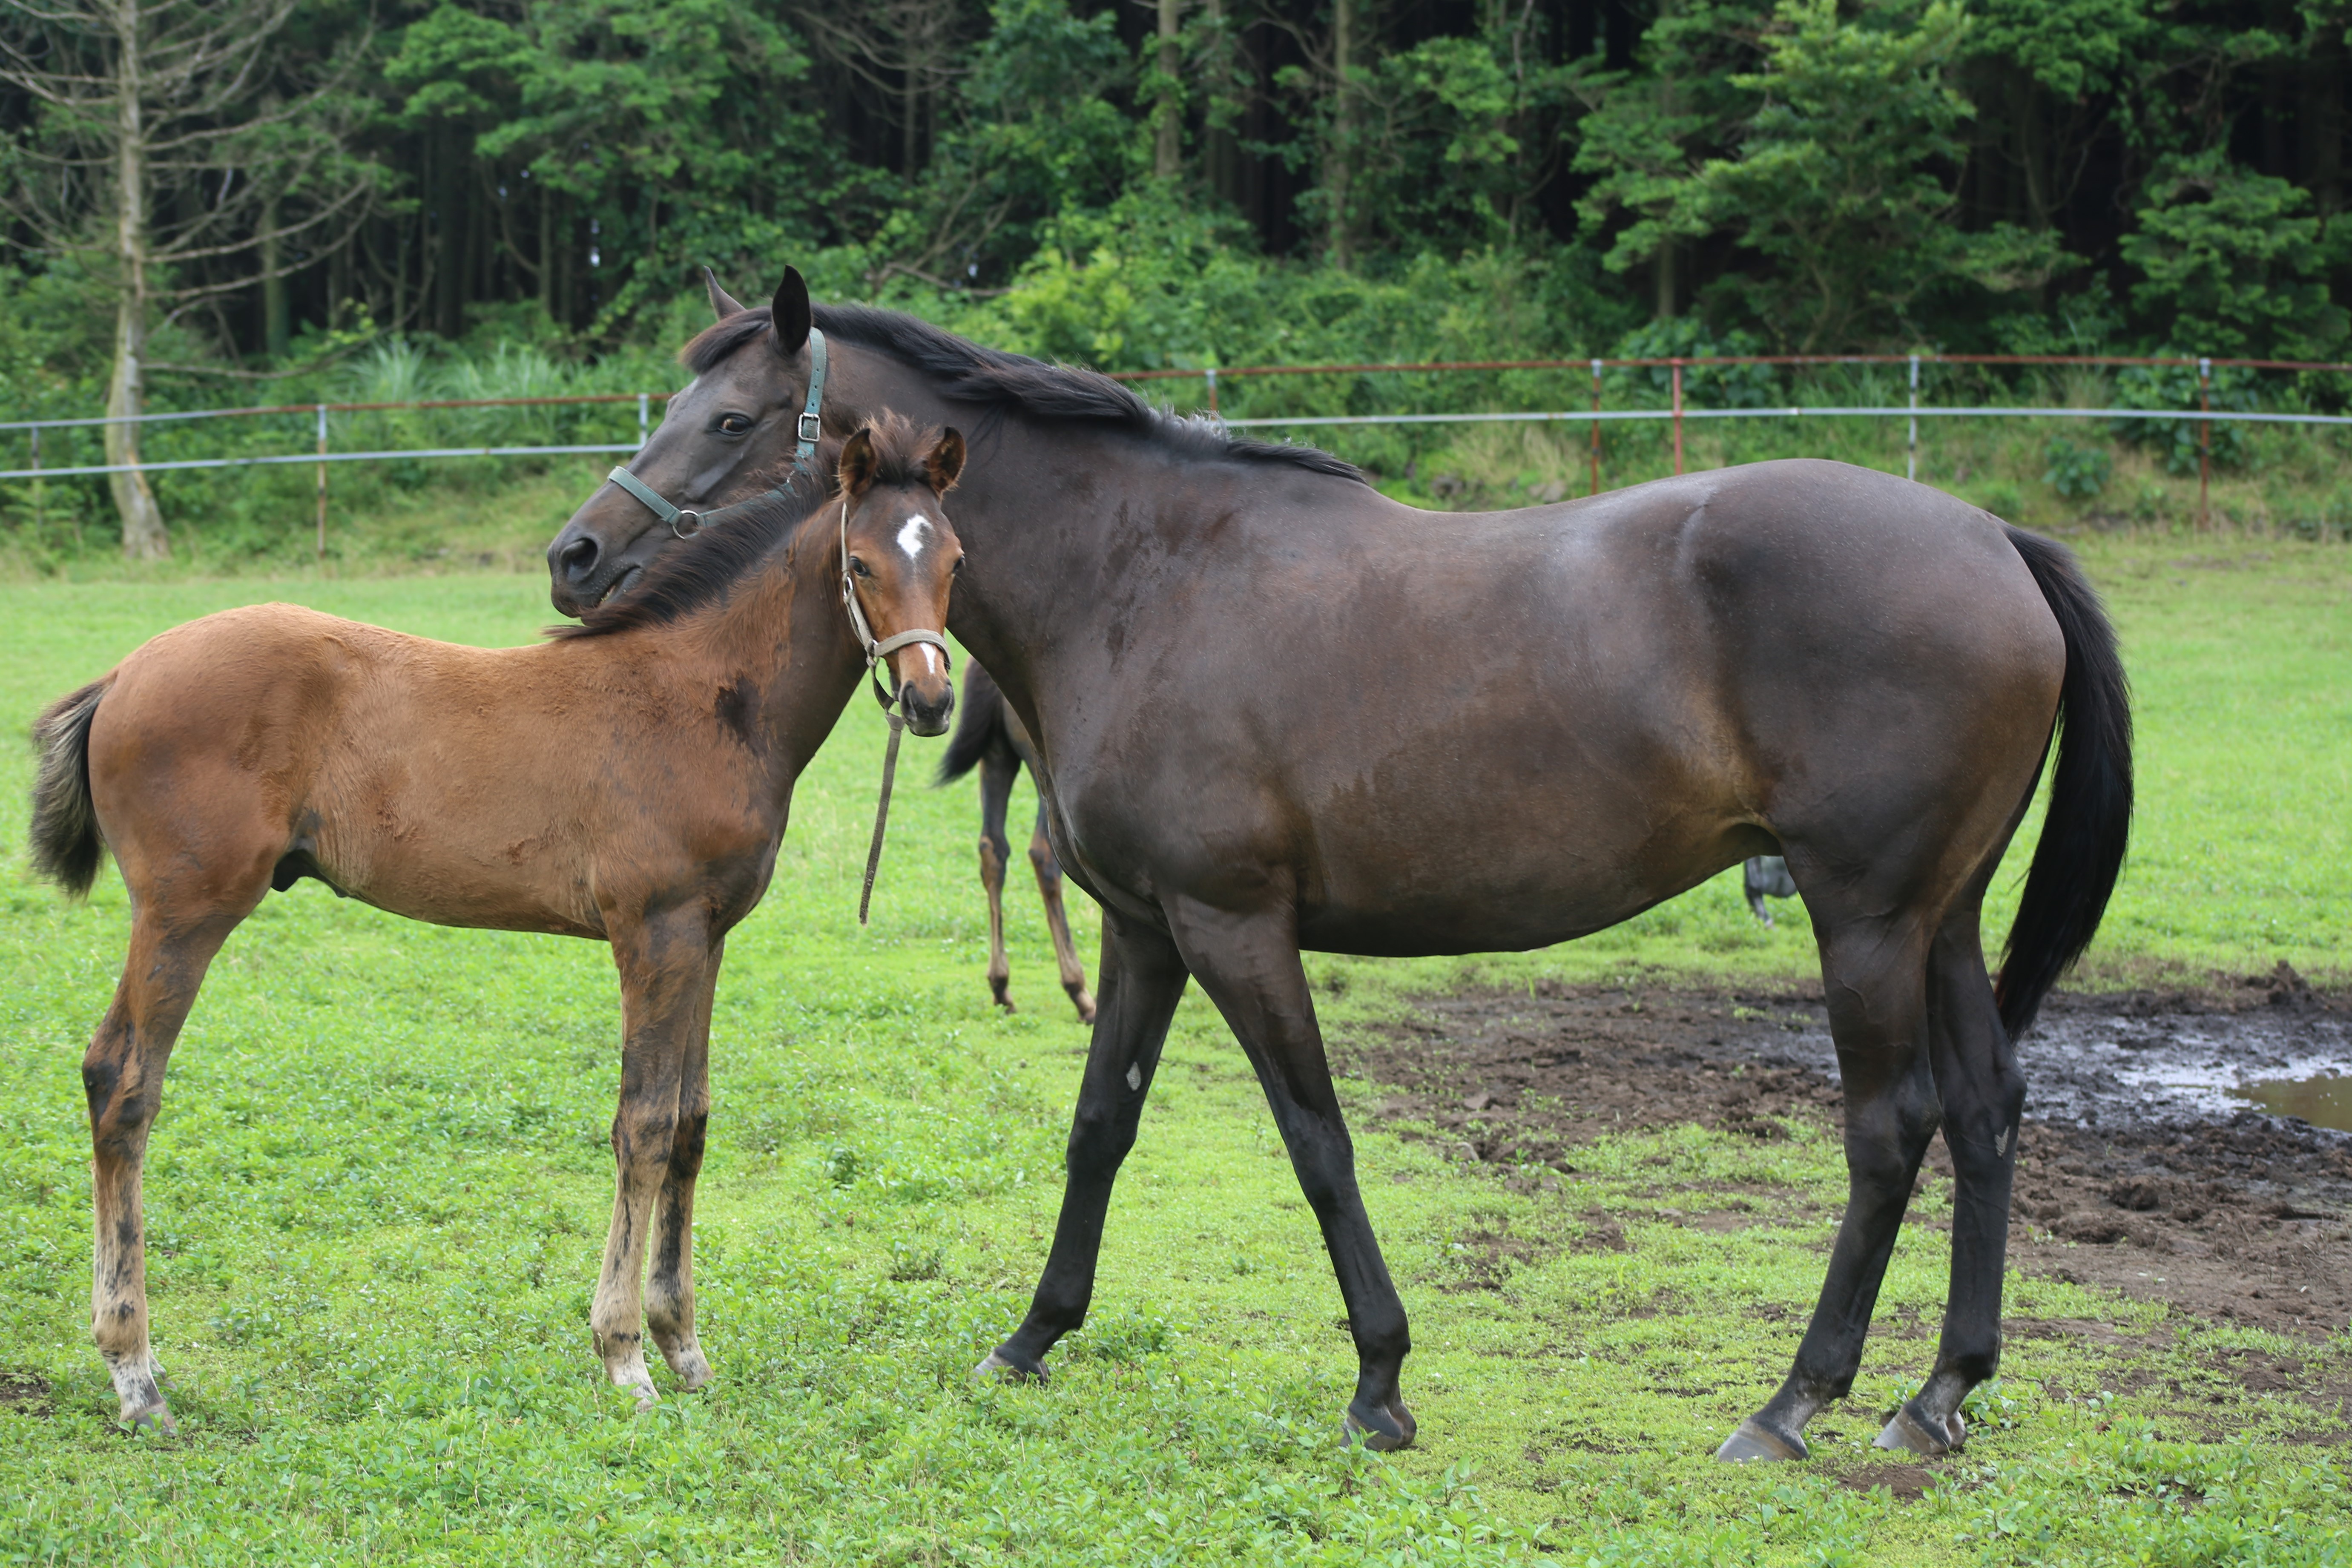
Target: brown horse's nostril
[(927, 716)]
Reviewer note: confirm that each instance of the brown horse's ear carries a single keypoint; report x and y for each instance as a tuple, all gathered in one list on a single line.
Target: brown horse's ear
[(943, 464), (723, 303), (792, 314), (859, 461)]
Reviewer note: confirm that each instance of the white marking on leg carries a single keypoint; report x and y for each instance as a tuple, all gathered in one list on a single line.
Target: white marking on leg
[(2000, 1142), (911, 537), (1134, 1076)]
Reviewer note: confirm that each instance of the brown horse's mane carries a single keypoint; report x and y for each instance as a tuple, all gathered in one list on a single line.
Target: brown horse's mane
[(963, 370), (700, 572)]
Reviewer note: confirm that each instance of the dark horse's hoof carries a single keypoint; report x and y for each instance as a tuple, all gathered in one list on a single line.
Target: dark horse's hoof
[(1924, 1435), (1382, 1428), (1753, 1440), (1007, 1369)]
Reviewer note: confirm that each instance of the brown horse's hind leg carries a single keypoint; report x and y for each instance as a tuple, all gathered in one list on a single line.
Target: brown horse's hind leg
[(670, 1283), (668, 966), (1058, 919), (998, 769), (1143, 980), (122, 1075), (1983, 1095), (1873, 971)]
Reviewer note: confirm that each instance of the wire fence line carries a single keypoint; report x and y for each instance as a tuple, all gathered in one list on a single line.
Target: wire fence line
[(1676, 412)]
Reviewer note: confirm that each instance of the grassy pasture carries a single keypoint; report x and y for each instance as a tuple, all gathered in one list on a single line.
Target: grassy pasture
[(378, 1191)]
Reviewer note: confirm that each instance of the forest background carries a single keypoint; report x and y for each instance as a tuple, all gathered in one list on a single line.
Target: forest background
[(277, 201)]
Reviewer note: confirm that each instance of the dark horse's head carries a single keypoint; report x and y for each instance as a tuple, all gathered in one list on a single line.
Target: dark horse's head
[(902, 555), (719, 442)]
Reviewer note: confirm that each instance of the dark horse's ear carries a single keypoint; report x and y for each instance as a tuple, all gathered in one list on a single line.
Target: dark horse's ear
[(859, 461), (943, 464), (723, 303), (791, 313)]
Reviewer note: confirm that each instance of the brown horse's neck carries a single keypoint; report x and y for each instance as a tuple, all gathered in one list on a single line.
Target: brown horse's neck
[(776, 653)]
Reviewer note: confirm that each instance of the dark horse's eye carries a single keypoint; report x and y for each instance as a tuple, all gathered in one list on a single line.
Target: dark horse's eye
[(733, 424)]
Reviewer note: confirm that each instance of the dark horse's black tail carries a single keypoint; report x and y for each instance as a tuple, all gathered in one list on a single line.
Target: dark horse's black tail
[(2083, 838), (64, 837), (980, 726)]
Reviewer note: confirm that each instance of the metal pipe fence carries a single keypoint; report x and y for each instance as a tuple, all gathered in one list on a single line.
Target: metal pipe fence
[(1675, 412)]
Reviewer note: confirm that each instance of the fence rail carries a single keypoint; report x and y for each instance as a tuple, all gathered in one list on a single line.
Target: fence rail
[(1596, 415)]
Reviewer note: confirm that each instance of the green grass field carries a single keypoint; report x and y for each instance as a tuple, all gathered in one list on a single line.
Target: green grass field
[(378, 1191)]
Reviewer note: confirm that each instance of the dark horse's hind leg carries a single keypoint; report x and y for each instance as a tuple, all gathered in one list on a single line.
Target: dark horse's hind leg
[(1249, 966), (998, 769), (1983, 1094), (1143, 980), (1058, 919), (1874, 972)]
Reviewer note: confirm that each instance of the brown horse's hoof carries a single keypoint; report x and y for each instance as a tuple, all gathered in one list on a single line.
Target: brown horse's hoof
[(1084, 1003), (995, 1365), (1752, 1441), (1921, 1433), (155, 1421), (1382, 1429)]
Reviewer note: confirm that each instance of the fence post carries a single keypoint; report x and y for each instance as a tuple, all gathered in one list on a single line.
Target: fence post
[(40, 520), (1679, 416), (1212, 392), (1911, 463), (322, 484), (642, 399), (2204, 443), (1596, 429)]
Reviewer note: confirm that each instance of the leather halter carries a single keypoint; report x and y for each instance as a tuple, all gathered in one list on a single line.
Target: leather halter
[(877, 650), (810, 430)]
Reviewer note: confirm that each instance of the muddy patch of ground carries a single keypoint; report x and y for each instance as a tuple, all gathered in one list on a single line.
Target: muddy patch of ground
[(2140, 1171)]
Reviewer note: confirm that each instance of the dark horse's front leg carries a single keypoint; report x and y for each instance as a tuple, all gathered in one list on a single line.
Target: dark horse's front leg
[(1143, 980), (1248, 963)]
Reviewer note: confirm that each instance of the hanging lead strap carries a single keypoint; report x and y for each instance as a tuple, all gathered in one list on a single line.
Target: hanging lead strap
[(881, 814)]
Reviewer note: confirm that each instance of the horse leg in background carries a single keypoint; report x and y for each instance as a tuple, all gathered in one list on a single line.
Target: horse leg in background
[(669, 1282), (1873, 973), (1249, 966), (1763, 875), (1143, 980), (1983, 1095), (669, 968), (1058, 919), (998, 769), (122, 1074)]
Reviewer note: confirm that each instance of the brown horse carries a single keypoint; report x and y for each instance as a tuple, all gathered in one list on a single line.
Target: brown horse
[(989, 736), (1276, 709), (627, 782)]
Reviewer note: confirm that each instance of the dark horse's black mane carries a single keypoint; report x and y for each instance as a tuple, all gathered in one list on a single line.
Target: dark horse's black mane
[(964, 371), (701, 572)]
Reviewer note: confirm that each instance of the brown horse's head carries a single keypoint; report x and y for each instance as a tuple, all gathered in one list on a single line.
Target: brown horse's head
[(719, 441), (901, 554)]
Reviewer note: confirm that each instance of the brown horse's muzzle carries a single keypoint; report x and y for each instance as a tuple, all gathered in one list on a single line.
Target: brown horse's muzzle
[(927, 700)]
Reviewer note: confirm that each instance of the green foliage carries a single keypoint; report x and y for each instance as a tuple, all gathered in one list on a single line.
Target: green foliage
[(2181, 443), (2076, 472), (2235, 263)]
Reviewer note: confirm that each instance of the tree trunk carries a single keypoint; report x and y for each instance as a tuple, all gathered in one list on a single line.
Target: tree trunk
[(1336, 160), (143, 538), (275, 331), (1168, 150), (1221, 154)]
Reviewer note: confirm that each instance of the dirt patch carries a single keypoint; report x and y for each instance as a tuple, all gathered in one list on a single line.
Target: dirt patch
[(25, 1393), (1908, 1483), (2138, 1170)]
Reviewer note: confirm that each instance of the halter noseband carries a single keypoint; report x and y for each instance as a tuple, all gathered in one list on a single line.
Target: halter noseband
[(810, 430)]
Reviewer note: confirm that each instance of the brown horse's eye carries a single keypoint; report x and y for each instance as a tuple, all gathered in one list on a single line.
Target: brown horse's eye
[(859, 567), (956, 570)]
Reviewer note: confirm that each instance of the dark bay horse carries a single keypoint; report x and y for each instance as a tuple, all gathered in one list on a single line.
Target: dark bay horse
[(990, 736), (628, 782), (1276, 709)]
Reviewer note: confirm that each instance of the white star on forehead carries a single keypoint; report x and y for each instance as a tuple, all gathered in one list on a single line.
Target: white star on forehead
[(910, 538)]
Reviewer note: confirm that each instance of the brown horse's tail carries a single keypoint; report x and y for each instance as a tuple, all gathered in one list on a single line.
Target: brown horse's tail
[(64, 837), (980, 726), (2089, 822)]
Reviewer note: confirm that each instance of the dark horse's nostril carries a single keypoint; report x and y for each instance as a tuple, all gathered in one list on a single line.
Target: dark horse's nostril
[(579, 558)]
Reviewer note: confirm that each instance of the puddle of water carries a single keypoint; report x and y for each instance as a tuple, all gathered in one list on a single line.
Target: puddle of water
[(2323, 1101)]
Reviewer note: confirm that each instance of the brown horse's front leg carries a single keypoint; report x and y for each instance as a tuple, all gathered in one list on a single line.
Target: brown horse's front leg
[(1058, 919), (668, 965), (1248, 963), (122, 1075), (669, 1284)]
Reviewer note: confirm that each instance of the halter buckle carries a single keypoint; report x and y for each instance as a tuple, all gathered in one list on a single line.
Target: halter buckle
[(676, 523), (811, 427)]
